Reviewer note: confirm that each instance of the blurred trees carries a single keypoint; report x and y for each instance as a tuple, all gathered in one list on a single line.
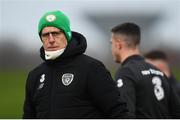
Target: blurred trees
[(13, 57)]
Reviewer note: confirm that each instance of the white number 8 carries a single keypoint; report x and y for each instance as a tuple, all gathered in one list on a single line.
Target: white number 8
[(158, 90)]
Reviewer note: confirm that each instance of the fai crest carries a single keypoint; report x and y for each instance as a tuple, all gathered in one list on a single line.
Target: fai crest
[(67, 78), (50, 18)]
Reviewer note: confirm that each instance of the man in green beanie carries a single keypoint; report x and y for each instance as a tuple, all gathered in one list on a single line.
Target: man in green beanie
[(69, 84)]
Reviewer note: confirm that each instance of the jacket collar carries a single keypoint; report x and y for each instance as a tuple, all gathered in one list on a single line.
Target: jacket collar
[(133, 57)]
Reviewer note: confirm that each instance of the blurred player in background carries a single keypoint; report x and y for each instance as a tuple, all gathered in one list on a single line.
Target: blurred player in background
[(159, 59)]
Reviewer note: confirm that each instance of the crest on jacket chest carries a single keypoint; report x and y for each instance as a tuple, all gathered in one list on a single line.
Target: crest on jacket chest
[(67, 78)]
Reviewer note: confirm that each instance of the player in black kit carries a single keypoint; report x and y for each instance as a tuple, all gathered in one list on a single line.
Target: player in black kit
[(144, 87)]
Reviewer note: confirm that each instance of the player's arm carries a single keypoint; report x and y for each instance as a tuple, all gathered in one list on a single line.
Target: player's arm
[(29, 108), (174, 103), (104, 92), (126, 84)]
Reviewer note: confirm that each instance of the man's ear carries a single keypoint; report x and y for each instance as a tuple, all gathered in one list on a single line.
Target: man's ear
[(119, 44)]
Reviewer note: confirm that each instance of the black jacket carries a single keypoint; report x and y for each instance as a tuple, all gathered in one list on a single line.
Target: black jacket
[(146, 90), (72, 86)]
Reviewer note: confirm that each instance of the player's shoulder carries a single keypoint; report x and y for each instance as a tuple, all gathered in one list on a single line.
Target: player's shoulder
[(137, 66), (124, 72), (131, 68), (137, 69)]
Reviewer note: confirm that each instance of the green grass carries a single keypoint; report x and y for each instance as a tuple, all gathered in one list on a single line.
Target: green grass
[(12, 84), (176, 73)]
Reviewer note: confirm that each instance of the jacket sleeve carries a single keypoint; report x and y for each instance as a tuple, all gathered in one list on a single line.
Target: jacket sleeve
[(174, 103), (126, 85), (29, 107), (104, 92)]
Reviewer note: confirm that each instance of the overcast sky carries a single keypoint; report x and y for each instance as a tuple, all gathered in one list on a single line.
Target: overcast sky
[(19, 18)]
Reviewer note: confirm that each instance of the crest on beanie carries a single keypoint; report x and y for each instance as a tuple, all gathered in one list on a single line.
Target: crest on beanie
[(50, 18), (56, 19)]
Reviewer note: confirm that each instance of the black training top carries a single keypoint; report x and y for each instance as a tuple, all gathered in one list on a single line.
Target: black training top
[(146, 90)]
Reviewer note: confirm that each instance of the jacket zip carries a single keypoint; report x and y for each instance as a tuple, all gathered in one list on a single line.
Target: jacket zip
[(51, 91)]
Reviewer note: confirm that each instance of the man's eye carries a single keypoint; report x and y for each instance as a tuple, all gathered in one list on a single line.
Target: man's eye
[(56, 33), (45, 35)]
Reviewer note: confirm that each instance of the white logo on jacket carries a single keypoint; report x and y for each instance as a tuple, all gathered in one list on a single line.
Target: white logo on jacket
[(67, 78), (119, 83), (41, 81), (42, 78)]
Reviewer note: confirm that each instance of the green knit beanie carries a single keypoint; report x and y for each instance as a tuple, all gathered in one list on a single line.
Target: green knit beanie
[(56, 19)]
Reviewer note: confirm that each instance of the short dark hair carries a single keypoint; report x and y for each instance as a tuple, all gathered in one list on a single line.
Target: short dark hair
[(156, 55), (130, 29)]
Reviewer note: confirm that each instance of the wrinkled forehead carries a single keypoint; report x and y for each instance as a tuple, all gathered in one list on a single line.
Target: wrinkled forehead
[(50, 29)]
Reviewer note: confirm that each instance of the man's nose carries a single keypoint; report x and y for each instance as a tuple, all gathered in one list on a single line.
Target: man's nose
[(51, 38)]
